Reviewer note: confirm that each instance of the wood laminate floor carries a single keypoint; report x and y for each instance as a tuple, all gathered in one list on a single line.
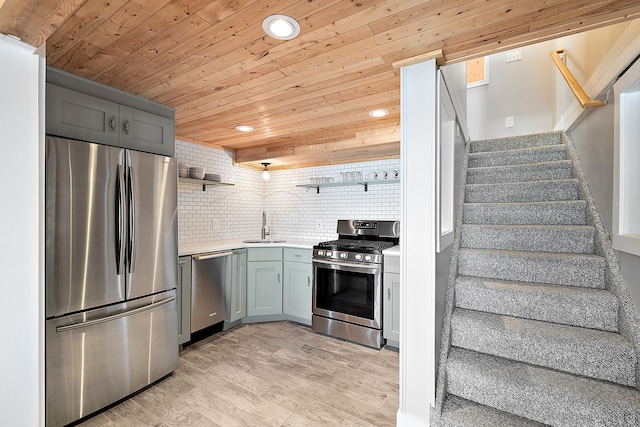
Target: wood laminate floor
[(268, 374)]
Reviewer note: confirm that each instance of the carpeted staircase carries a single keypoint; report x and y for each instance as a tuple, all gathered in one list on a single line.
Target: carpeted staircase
[(539, 327)]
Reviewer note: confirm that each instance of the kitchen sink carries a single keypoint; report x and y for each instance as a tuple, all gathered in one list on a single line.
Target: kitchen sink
[(263, 241)]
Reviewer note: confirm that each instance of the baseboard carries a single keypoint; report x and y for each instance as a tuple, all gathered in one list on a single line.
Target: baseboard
[(406, 420)]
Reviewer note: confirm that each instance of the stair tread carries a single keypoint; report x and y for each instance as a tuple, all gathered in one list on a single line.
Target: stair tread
[(518, 156), (536, 149), (542, 212), (521, 141), (598, 354), (529, 237), (541, 165), (544, 395), (577, 306), (561, 169), (585, 270), (458, 412), (528, 191)]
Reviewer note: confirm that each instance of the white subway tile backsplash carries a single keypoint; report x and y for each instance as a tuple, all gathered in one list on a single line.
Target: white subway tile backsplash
[(235, 212)]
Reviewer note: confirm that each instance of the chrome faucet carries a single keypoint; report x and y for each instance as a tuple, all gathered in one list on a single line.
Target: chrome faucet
[(265, 227)]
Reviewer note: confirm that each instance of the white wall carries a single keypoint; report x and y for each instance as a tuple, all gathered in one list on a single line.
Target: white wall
[(20, 227), (521, 89), (219, 213), (230, 213), (533, 91), (297, 212), (585, 53)]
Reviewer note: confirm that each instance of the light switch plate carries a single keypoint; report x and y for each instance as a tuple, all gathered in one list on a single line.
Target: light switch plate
[(508, 122), (514, 55)]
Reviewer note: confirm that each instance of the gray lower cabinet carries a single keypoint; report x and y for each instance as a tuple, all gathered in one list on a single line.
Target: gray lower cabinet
[(297, 286), (84, 116), (237, 295), (184, 299), (264, 281), (391, 301)]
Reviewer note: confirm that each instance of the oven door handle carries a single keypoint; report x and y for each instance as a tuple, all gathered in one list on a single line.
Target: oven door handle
[(346, 264)]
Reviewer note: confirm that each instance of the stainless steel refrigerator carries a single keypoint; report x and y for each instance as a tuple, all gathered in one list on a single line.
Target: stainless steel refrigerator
[(111, 265)]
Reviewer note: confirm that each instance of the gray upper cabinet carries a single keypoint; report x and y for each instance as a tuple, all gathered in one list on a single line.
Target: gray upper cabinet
[(144, 131), (80, 109), (80, 116)]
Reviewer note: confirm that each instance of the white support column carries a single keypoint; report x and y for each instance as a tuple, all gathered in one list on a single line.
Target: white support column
[(21, 228), (418, 98)]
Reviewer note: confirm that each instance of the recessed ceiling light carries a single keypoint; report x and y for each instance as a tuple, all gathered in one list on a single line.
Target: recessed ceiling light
[(379, 113), (244, 128), (281, 27)]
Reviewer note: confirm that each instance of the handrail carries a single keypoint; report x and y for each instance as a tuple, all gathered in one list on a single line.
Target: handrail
[(581, 95)]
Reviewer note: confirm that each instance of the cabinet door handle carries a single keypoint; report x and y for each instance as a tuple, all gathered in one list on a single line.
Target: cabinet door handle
[(112, 123), (308, 281), (126, 127), (278, 277), (389, 294)]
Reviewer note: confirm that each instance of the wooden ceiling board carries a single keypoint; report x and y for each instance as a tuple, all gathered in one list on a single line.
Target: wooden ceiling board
[(307, 98), (300, 100), (33, 21), (287, 86), (152, 26)]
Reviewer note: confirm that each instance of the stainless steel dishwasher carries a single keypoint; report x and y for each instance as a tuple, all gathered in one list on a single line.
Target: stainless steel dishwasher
[(211, 277)]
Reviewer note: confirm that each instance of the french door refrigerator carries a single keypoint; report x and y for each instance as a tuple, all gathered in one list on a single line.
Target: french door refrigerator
[(111, 272)]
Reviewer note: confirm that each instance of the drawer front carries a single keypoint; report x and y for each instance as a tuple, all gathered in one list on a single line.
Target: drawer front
[(264, 254), (297, 255), (96, 358)]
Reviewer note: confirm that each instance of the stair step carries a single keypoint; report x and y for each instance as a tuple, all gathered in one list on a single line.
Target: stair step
[(543, 395), (519, 156), (558, 212), (584, 307), (458, 412), (538, 267), (543, 238), (514, 142), (534, 191), (562, 169), (591, 353)]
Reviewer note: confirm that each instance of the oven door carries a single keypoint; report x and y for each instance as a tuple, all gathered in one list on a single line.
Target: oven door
[(348, 292)]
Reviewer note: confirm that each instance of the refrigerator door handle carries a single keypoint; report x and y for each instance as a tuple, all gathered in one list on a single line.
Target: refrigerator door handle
[(114, 316), (120, 215), (132, 216)]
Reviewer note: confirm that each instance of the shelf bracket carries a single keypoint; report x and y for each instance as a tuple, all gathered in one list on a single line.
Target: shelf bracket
[(366, 187), (317, 190), (204, 187)]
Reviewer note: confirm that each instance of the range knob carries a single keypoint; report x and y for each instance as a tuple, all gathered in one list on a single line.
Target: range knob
[(321, 253), (328, 253), (368, 258), (359, 257), (344, 255)]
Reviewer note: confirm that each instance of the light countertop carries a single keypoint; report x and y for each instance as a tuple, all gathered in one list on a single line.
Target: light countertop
[(202, 247), (392, 251)]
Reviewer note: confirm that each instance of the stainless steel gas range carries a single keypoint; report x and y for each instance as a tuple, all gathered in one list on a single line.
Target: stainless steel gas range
[(347, 281)]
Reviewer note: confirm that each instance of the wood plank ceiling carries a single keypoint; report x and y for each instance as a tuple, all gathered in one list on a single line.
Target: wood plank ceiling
[(308, 98)]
